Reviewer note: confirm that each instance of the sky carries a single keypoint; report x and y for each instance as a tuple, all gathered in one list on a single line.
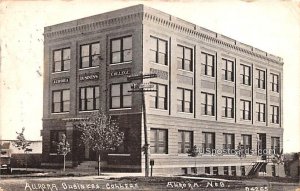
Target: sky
[(269, 25)]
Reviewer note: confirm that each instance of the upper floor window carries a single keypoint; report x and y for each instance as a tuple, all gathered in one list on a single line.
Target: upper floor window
[(185, 141), (208, 142), (62, 59), (90, 55), (207, 104), (245, 75), (89, 98), (184, 58), (275, 145), (159, 98), (207, 64), (121, 50), (228, 69), (56, 136), (60, 101), (228, 107), (261, 112), (261, 78), (159, 141), (228, 140), (274, 83), (246, 142), (120, 97), (158, 51), (245, 109), (274, 114), (184, 100)]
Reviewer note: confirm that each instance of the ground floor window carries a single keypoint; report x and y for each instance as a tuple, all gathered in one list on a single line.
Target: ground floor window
[(273, 170), (215, 170), (158, 141), (243, 171), (194, 170), (226, 172), (233, 171), (207, 170), (55, 138)]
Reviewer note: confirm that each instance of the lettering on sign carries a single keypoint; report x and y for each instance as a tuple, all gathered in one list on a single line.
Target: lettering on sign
[(120, 72), (61, 80), (89, 76), (160, 73)]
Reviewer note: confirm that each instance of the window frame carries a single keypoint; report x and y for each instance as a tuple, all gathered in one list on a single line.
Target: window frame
[(261, 82), (61, 101), (90, 55), (121, 96), (183, 101), (122, 50), (62, 60), (261, 113), (244, 75), (206, 105), (226, 70), (205, 66), (225, 108), (275, 144), (183, 58), (274, 114), (245, 110), (182, 149), (274, 83), (227, 142), (157, 51), (248, 146), (94, 98), (205, 143), (157, 97), (156, 143)]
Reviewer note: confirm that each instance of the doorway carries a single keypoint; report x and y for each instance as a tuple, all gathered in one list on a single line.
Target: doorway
[(261, 146)]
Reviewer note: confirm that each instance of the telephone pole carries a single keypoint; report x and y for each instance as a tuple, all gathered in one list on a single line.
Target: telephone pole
[(143, 87)]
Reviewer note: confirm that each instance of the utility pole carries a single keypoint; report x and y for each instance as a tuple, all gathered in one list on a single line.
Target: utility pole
[(143, 87)]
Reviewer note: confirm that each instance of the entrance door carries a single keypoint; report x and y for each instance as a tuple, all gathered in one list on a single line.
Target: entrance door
[(261, 145)]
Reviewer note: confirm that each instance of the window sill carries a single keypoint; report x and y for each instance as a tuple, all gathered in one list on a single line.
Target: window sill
[(119, 63), (88, 111), (53, 154), (246, 85), (60, 113), (117, 154), (158, 109), (182, 112), (205, 115), (228, 81), (61, 72), (183, 70), (208, 76), (118, 109), (158, 64), (162, 154), (80, 69)]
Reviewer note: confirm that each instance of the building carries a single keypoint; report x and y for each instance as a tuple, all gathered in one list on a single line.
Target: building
[(212, 91)]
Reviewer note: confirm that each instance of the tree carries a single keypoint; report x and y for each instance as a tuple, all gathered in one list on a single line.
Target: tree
[(101, 133), (63, 148), (194, 152), (278, 159), (22, 144)]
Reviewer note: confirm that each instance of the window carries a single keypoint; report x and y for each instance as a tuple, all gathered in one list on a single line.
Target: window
[(121, 50), (159, 98), (158, 141), (60, 101), (261, 110), (207, 104), (228, 142), (124, 146), (233, 170), (261, 76), (243, 171), (158, 51), (120, 97), (90, 55), (245, 75), (207, 170), (246, 142), (208, 142), (274, 114), (245, 110), (184, 58), (215, 170), (62, 59), (185, 141), (89, 98), (274, 83), (55, 138), (184, 100), (228, 73), (227, 109), (275, 145), (207, 64), (226, 171)]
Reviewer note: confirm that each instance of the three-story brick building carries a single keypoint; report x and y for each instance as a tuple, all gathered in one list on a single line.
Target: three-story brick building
[(212, 91)]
